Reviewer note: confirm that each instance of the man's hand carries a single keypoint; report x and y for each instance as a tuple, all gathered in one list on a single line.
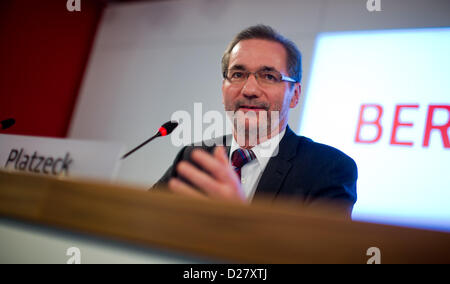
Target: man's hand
[(222, 183)]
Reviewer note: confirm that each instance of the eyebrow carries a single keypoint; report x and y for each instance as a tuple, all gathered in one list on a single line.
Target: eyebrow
[(242, 67), (268, 68), (238, 67)]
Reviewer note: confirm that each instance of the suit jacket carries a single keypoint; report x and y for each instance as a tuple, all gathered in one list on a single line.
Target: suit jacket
[(303, 171)]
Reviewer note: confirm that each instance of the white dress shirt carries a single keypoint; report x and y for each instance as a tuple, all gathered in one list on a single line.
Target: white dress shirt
[(252, 171)]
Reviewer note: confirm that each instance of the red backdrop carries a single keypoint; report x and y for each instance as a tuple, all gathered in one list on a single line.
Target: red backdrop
[(43, 54)]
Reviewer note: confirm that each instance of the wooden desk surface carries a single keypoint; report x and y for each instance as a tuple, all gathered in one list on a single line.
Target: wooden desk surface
[(259, 233)]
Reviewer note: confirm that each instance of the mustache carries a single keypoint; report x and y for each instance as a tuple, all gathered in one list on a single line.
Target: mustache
[(241, 103)]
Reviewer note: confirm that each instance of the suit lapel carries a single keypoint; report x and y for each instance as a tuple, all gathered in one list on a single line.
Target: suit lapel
[(278, 167)]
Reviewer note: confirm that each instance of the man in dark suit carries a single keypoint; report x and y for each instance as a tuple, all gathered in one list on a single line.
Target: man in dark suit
[(263, 156)]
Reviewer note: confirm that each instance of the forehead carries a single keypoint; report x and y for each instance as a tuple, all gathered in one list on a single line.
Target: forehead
[(254, 54)]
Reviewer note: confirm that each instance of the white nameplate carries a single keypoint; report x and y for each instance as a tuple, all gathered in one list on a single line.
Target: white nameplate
[(60, 157)]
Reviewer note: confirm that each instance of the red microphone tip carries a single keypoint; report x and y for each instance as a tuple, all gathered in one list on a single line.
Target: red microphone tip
[(162, 131)]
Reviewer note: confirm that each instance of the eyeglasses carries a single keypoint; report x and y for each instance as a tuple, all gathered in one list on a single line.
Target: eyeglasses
[(266, 77)]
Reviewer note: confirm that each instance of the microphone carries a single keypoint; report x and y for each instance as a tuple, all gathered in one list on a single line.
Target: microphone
[(164, 130), (7, 123)]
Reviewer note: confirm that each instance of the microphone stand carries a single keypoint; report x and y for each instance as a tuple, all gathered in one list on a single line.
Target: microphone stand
[(143, 143)]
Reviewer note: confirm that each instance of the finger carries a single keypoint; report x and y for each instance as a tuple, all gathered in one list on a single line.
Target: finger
[(215, 167), (199, 178), (221, 155), (179, 187)]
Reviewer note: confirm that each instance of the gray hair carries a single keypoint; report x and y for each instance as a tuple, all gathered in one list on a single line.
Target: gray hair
[(294, 57)]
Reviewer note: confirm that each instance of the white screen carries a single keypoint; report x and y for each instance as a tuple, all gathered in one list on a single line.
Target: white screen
[(398, 184)]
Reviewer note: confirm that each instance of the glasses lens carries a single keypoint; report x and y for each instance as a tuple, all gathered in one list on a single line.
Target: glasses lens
[(236, 75), (263, 76), (269, 77)]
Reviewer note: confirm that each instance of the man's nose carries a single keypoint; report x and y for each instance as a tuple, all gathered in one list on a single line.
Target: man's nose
[(251, 87)]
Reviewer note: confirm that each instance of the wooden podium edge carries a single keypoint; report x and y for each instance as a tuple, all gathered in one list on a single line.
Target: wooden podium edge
[(259, 233)]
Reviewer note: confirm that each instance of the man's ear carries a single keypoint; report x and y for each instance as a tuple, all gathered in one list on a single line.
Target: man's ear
[(297, 89)]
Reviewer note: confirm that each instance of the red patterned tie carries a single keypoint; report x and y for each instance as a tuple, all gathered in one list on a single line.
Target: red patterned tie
[(240, 157)]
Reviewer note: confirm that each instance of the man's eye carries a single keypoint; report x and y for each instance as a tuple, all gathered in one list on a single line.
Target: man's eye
[(237, 75), (270, 77)]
